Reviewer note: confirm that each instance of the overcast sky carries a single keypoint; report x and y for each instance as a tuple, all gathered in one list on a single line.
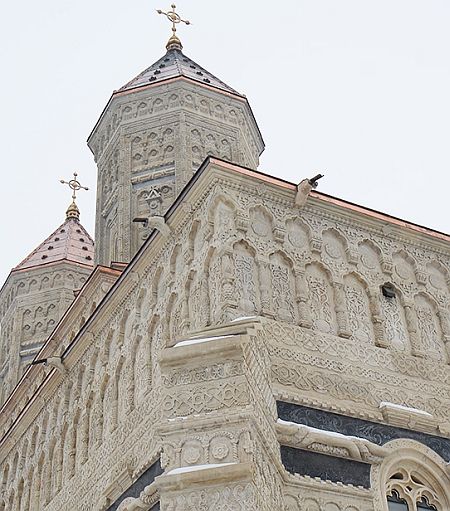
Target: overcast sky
[(356, 89)]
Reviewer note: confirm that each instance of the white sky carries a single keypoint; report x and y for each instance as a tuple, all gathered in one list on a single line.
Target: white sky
[(355, 89)]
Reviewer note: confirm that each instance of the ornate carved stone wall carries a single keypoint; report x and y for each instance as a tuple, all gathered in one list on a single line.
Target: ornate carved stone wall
[(147, 145), (31, 304), (173, 364)]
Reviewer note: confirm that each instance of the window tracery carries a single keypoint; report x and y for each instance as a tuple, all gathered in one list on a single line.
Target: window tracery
[(406, 491)]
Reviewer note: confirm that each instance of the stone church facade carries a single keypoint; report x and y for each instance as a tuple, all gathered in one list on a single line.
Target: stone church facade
[(247, 351)]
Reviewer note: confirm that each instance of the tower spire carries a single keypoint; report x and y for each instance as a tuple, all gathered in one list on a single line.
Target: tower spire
[(174, 42), (74, 185)]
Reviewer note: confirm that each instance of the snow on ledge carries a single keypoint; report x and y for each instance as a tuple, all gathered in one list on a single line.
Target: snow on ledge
[(316, 430), (194, 468), (201, 340), (387, 405), (243, 318)]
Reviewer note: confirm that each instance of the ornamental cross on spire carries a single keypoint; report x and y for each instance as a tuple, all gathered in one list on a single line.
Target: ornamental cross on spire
[(175, 19), (74, 185)]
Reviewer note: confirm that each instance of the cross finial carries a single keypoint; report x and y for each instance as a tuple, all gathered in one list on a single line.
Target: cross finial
[(174, 42), (74, 185)]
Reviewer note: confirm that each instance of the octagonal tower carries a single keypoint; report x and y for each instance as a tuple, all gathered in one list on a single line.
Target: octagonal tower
[(153, 135)]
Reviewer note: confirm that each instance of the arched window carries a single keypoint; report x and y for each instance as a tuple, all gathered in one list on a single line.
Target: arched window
[(406, 491), (395, 503)]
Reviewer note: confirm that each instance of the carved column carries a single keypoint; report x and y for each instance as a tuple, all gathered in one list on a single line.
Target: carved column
[(185, 319), (34, 491), (46, 483), (445, 326), (341, 310), (229, 304), (413, 329), (114, 402), (59, 467), (131, 386), (71, 453), (301, 295), (377, 318), (265, 288), (27, 492), (83, 444)]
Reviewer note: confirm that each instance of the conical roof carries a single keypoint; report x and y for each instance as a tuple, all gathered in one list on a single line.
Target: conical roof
[(70, 242), (172, 65)]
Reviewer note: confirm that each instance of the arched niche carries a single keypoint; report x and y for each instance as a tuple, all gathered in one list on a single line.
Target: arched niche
[(321, 299), (438, 277), (261, 222), (221, 214), (369, 257), (176, 260), (404, 269), (395, 325), (155, 338), (334, 248), (358, 307), (195, 239), (298, 236), (411, 473), (283, 287), (429, 328)]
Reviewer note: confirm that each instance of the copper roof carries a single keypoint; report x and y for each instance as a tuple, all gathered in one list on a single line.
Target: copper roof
[(70, 242), (174, 64)]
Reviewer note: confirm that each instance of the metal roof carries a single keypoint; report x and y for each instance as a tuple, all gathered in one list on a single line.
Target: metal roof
[(174, 64), (70, 242)]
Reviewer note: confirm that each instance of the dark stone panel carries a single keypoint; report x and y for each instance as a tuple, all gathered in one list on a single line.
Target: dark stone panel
[(308, 463), (373, 431), (136, 488), (156, 507)]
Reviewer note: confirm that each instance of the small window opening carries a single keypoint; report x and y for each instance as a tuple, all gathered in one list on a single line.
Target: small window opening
[(424, 504), (395, 503), (388, 291)]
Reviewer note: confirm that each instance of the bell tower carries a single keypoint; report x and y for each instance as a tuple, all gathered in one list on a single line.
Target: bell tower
[(153, 135)]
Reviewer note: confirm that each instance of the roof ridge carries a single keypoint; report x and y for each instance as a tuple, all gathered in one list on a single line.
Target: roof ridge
[(177, 62)]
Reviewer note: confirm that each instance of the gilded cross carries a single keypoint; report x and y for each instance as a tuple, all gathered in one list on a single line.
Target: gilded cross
[(174, 18), (74, 185)]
